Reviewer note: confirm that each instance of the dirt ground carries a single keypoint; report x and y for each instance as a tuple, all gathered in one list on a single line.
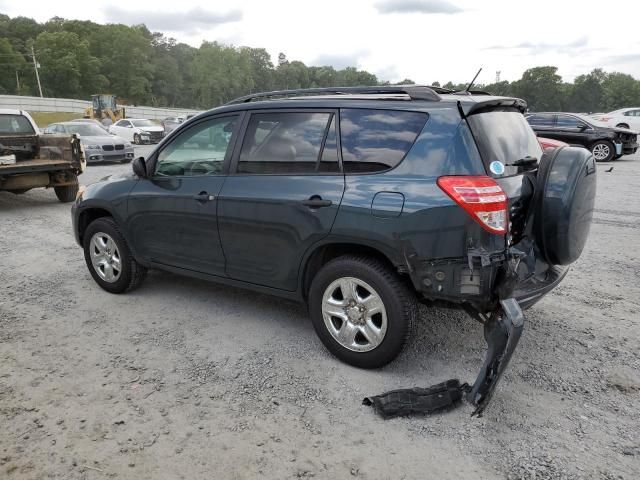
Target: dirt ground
[(184, 379)]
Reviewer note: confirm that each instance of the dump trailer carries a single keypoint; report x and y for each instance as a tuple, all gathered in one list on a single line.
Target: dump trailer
[(30, 160)]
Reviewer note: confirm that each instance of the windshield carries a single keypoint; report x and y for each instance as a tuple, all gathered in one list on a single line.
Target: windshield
[(86, 130), (504, 136), (143, 123), (15, 124)]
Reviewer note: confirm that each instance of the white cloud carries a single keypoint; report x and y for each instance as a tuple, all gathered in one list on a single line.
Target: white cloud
[(425, 40), (417, 6)]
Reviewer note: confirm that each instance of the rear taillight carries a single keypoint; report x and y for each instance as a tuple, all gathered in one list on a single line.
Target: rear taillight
[(482, 198)]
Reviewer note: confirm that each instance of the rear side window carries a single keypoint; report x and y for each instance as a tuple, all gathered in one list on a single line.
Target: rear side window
[(503, 136), (540, 120), (289, 143), (377, 140), (15, 124)]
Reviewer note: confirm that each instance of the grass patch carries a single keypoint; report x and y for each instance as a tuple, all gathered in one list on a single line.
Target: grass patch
[(43, 119)]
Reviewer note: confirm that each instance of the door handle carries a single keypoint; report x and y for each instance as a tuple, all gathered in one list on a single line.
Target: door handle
[(316, 201), (203, 197)]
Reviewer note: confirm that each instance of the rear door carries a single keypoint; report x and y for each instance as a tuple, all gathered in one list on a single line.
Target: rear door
[(543, 124), (282, 194), (632, 118), (123, 128)]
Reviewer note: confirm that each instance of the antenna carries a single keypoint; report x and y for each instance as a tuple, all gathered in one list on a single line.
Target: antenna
[(473, 81)]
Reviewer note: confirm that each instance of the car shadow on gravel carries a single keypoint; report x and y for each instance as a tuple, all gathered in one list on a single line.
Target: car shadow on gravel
[(35, 198), (440, 337)]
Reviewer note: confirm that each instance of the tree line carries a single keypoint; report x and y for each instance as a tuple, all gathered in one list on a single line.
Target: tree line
[(78, 58)]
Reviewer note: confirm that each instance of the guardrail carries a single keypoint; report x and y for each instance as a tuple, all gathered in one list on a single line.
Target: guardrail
[(39, 104)]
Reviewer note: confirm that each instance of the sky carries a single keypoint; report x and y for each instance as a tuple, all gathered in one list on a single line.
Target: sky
[(424, 40)]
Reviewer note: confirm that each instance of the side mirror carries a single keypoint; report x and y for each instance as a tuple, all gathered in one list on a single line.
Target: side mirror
[(139, 167), (583, 127)]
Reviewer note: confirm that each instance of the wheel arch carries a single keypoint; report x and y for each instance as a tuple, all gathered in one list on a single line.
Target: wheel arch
[(322, 254), (87, 216)]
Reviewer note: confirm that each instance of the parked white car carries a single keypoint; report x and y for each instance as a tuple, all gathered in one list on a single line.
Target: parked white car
[(623, 118), (138, 130)]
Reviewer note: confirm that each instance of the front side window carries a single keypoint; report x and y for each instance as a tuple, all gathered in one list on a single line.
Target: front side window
[(565, 121), (287, 143), (123, 123), (377, 140), (201, 150)]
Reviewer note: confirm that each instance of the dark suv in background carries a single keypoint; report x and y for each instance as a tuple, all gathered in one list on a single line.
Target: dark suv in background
[(359, 202), (606, 142)]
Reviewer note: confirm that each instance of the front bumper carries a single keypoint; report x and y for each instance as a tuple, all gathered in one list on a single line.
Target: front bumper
[(629, 148), (96, 156), (74, 222)]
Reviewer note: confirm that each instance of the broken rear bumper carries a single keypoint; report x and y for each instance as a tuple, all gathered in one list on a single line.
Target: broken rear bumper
[(530, 291)]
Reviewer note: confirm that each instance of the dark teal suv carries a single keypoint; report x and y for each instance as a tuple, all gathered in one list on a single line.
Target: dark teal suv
[(359, 202)]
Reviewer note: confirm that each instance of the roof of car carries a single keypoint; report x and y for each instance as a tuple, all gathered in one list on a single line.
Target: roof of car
[(467, 102), (10, 111)]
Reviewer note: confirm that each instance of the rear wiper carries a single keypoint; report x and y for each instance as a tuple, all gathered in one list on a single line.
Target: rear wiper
[(524, 162)]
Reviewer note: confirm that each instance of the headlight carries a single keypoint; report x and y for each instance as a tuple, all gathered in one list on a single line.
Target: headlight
[(92, 147), (127, 145), (81, 190)]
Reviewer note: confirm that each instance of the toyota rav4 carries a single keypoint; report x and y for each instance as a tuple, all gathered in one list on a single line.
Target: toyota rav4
[(359, 202)]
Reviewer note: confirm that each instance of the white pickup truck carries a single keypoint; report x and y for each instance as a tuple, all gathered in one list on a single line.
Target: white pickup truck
[(30, 160)]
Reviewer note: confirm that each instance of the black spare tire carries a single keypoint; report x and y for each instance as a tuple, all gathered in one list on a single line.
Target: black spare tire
[(565, 196)]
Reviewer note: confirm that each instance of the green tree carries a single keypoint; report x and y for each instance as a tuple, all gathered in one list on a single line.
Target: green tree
[(14, 67), (620, 90), (587, 92), (541, 87), (67, 67)]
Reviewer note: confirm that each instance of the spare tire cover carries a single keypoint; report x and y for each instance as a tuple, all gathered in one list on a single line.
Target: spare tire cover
[(565, 196)]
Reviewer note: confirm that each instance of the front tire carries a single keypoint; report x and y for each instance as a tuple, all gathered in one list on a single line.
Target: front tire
[(623, 125), (109, 258), (361, 310), (67, 193), (136, 139), (603, 151)]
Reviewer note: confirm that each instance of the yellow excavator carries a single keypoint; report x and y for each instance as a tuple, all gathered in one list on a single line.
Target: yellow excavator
[(104, 106)]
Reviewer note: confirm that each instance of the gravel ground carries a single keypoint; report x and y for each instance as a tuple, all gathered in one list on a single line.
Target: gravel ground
[(188, 379)]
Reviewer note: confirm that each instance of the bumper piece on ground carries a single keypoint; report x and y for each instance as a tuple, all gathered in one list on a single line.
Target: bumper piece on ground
[(502, 331)]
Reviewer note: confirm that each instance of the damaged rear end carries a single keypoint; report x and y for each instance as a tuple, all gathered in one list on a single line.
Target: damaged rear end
[(529, 215)]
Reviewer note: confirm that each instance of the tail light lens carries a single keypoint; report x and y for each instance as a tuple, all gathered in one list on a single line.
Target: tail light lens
[(482, 198)]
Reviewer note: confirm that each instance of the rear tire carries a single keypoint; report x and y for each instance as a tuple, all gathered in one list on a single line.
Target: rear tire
[(355, 334), (603, 151), (109, 258), (67, 193)]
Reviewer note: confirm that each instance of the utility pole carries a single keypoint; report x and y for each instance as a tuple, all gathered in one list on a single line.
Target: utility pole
[(36, 66), (18, 82)]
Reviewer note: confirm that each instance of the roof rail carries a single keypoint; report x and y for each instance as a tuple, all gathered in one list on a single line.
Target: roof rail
[(415, 92)]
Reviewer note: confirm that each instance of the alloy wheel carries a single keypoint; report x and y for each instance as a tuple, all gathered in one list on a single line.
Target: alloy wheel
[(354, 314), (105, 257), (601, 151)]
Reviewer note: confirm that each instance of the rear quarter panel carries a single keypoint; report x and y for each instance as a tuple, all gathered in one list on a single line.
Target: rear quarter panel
[(431, 225)]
